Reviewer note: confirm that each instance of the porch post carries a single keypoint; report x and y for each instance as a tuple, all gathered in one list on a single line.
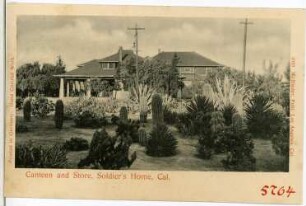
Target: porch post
[(88, 90), (67, 92), (61, 90)]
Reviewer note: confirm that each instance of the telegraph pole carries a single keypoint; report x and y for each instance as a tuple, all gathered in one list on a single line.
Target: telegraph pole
[(245, 23), (136, 29)]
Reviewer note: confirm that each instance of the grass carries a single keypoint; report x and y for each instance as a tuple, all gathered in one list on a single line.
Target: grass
[(43, 132)]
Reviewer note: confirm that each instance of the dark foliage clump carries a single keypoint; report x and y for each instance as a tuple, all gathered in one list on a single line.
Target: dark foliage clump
[(170, 117), (128, 129), (106, 152), (228, 112), (123, 114), (29, 156), (59, 114), (185, 124), (19, 103), (76, 144), (161, 142), (262, 120), (239, 151), (280, 143), (21, 128), (88, 119), (207, 140), (115, 119)]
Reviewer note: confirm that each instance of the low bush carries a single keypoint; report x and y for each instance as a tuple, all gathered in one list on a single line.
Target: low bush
[(81, 104), (76, 144), (161, 142), (106, 152), (21, 128), (86, 112), (41, 106), (89, 119), (29, 156)]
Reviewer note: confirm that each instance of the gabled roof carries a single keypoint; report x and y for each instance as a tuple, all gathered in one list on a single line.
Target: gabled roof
[(186, 59), (93, 68), (115, 57)]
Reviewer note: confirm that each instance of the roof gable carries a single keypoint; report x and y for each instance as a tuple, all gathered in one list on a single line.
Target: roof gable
[(93, 68)]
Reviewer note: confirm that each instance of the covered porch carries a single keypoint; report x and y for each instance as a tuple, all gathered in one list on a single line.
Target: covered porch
[(75, 86)]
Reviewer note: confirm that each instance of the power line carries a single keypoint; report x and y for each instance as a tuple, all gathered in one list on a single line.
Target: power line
[(136, 29), (245, 23)]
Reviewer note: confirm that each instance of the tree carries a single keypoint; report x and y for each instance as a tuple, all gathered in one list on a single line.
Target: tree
[(34, 78)]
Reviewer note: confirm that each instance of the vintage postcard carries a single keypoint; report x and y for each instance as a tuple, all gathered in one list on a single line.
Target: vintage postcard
[(154, 103)]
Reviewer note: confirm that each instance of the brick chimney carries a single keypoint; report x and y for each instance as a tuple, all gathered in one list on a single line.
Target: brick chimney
[(120, 54)]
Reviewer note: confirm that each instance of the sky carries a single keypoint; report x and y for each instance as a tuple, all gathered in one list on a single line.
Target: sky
[(78, 39)]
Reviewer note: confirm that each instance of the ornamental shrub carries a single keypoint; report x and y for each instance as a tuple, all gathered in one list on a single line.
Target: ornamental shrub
[(29, 156), (59, 114), (76, 144), (109, 153), (262, 120), (199, 111), (185, 124), (41, 106), (128, 129), (86, 112), (239, 151), (75, 108), (207, 140), (161, 142), (89, 119), (228, 112)]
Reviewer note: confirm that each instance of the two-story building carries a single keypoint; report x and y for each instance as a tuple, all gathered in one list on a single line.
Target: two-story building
[(191, 65)]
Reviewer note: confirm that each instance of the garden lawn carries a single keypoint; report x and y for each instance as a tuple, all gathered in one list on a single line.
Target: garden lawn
[(43, 132)]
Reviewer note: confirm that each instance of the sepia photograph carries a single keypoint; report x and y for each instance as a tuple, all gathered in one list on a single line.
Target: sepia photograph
[(152, 93), (154, 103)]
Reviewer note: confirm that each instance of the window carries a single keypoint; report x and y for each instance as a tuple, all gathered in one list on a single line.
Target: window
[(104, 65), (112, 65), (189, 70), (108, 65)]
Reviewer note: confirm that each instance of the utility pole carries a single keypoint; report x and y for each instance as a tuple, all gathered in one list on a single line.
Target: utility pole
[(245, 23), (136, 29)]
